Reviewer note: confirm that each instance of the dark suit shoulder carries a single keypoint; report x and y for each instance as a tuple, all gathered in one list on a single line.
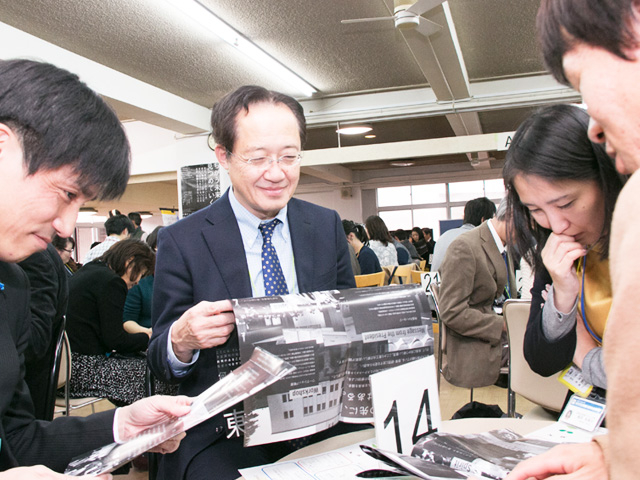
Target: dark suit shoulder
[(12, 274)]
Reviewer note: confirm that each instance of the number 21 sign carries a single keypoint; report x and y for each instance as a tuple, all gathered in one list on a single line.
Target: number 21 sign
[(405, 404)]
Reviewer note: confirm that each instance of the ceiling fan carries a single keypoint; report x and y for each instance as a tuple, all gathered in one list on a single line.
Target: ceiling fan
[(407, 16)]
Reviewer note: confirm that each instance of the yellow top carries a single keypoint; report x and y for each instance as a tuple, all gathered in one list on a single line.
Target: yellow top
[(597, 287)]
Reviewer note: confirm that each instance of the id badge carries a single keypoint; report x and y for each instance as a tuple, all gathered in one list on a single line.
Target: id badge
[(573, 379), (584, 413)]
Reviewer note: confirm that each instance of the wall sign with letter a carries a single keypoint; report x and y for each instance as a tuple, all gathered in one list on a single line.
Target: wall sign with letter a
[(405, 404)]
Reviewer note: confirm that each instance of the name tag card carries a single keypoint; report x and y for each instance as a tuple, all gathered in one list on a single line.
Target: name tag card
[(583, 413), (405, 404), (573, 379)]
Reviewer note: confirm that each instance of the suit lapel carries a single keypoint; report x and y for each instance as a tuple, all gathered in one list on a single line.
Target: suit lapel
[(302, 242), (227, 249)]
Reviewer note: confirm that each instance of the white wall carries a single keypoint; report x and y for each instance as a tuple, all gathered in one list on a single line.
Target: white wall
[(349, 208)]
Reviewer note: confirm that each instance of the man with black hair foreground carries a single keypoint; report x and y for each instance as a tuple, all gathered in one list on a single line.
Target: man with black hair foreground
[(594, 46), (476, 211), (60, 145)]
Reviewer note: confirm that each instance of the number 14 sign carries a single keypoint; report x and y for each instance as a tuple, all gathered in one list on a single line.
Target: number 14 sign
[(405, 404)]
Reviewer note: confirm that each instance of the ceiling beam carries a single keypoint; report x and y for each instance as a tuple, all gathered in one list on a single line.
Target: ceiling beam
[(410, 149), (422, 102), (329, 173), (440, 58), (157, 106)]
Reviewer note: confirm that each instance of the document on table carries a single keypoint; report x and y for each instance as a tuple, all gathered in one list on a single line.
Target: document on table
[(341, 464)]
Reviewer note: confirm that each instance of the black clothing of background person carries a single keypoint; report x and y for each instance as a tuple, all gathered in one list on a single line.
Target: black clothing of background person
[(94, 315), (49, 294)]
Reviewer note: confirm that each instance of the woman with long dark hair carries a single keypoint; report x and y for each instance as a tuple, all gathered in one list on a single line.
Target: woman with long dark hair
[(380, 241), (561, 190)]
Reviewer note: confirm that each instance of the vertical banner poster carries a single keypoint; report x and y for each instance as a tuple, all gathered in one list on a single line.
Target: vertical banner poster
[(199, 187)]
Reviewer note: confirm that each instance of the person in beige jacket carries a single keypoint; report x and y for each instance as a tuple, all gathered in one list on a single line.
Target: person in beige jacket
[(475, 279)]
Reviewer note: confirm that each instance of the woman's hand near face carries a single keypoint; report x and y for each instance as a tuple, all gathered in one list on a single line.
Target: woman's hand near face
[(558, 255)]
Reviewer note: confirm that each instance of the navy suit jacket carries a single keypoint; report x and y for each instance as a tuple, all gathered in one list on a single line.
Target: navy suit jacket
[(202, 257), (25, 440)]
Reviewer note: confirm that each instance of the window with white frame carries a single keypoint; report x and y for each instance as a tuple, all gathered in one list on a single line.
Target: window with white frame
[(426, 205)]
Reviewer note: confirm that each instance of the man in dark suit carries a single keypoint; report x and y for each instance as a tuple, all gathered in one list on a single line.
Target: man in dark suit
[(216, 254), (60, 145), (474, 275)]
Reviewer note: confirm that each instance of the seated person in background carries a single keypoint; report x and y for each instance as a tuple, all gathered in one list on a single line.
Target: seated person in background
[(476, 211), (118, 227), (137, 308), (136, 219), (474, 276), (380, 241), (49, 293), (64, 247), (357, 238), (430, 242), (403, 237), (404, 257), (562, 189), (417, 238), (97, 294)]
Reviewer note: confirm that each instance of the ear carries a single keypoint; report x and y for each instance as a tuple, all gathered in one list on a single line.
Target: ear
[(221, 155), (6, 135)]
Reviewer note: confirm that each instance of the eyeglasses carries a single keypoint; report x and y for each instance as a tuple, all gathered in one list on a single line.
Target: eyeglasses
[(68, 251), (284, 160)]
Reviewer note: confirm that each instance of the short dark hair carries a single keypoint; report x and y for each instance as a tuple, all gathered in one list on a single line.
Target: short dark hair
[(427, 231), (152, 238), (135, 218), (400, 234), (418, 230), (478, 209), (117, 223), (60, 243), (225, 111), (606, 24), (553, 144), (117, 257), (62, 122), (377, 230)]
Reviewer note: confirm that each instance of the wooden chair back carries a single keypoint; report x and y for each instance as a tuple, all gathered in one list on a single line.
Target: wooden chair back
[(370, 280)]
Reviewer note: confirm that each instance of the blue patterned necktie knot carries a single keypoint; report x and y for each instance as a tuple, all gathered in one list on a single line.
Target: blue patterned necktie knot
[(274, 281)]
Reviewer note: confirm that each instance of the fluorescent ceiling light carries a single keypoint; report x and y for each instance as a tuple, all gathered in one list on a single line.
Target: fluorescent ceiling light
[(202, 15), (354, 129), (145, 214), (370, 136), (87, 211), (92, 219), (402, 163)]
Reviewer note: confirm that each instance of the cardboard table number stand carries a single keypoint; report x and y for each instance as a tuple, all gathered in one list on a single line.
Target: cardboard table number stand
[(405, 404)]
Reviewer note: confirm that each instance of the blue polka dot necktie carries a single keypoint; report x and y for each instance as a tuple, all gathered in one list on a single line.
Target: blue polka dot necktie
[(274, 281)]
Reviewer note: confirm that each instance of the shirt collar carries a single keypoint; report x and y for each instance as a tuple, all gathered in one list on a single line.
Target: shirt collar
[(249, 223), (496, 237)]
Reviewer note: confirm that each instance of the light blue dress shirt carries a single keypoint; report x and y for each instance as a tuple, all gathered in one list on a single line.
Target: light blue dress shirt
[(252, 240)]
